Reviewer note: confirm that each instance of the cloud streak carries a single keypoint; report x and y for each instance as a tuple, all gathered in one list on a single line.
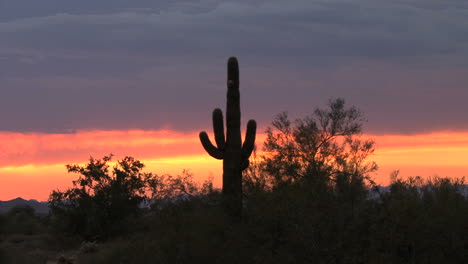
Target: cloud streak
[(19, 149)]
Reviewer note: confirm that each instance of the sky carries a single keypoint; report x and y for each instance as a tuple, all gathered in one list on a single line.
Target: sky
[(141, 78)]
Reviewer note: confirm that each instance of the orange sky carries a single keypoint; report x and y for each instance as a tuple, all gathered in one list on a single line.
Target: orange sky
[(32, 164)]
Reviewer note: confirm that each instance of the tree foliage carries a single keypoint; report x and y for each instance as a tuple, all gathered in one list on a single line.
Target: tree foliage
[(101, 199), (325, 147)]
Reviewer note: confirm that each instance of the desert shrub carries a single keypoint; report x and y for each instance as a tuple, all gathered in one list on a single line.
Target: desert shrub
[(325, 147), (298, 224), (105, 203), (100, 202), (22, 220), (188, 230), (421, 221)]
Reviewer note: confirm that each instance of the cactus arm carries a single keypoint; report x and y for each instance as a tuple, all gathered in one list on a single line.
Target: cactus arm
[(209, 147), (249, 141), (218, 127)]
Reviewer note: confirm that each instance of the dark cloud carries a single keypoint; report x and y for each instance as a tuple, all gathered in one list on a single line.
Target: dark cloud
[(326, 30), (151, 64)]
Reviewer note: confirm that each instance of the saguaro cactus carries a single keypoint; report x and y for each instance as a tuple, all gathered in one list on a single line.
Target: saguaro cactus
[(229, 148)]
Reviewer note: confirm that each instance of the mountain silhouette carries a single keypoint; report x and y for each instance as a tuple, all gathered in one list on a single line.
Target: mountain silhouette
[(41, 208)]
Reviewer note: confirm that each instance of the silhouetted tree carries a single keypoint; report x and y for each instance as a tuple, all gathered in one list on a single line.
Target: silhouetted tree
[(253, 178), (229, 147), (100, 200), (325, 147)]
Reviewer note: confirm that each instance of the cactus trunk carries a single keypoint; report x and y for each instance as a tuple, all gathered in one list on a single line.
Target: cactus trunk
[(230, 149)]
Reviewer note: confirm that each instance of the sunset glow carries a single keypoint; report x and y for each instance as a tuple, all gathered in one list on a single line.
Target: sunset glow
[(33, 164)]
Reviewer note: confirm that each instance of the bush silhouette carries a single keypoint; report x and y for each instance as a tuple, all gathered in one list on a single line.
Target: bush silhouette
[(100, 200), (325, 147)]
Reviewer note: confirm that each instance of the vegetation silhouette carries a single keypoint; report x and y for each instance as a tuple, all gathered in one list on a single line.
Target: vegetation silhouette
[(324, 151), (100, 202), (324, 146), (103, 204), (229, 147)]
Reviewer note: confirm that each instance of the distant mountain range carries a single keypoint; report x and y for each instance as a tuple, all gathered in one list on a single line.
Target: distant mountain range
[(41, 208)]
